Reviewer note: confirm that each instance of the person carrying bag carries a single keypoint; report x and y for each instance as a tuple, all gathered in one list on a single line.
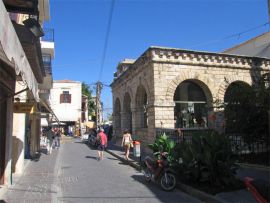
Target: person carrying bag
[(127, 143)]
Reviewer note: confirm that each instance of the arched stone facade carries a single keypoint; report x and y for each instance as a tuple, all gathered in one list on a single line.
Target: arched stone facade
[(159, 71)]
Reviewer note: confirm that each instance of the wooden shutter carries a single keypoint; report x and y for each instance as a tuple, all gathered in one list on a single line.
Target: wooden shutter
[(61, 98), (69, 98)]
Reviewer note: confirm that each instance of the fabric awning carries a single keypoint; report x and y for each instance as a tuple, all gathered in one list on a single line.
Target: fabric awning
[(44, 103), (14, 52)]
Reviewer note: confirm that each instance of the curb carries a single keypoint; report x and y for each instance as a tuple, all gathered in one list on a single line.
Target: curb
[(254, 166), (185, 188), (198, 194), (134, 165)]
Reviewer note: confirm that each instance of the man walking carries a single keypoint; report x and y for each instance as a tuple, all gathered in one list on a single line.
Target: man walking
[(102, 138), (57, 138), (50, 139)]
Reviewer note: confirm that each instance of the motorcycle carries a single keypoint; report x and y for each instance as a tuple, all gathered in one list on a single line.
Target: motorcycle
[(160, 172)]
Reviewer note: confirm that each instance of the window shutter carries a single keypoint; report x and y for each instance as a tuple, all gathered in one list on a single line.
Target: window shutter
[(69, 98)]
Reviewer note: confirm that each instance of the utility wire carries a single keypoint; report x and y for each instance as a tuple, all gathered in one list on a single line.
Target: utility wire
[(106, 39), (238, 35)]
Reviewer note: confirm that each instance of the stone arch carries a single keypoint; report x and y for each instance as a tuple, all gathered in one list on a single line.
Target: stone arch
[(202, 81), (226, 82), (127, 113), (240, 85), (236, 98), (193, 101), (117, 116), (141, 102)]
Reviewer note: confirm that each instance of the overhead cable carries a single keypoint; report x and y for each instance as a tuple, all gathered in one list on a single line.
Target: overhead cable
[(106, 39), (238, 35)]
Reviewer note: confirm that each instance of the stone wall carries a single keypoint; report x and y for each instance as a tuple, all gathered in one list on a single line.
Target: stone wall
[(160, 70)]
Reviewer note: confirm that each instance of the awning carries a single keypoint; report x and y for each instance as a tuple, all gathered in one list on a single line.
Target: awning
[(13, 50), (44, 103)]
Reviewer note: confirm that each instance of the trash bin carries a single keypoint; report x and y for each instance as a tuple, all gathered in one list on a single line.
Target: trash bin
[(136, 149)]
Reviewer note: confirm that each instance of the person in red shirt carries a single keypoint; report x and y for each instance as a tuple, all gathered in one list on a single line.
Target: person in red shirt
[(102, 137)]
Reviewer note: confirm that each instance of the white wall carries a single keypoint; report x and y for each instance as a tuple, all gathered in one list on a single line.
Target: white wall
[(67, 111)]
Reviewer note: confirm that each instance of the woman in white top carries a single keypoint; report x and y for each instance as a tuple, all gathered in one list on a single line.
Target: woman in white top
[(127, 143)]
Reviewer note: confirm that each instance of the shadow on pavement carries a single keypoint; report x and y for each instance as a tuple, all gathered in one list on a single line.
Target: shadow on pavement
[(91, 157), (112, 158), (163, 196), (123, 163), (90, 146), (80, 142)]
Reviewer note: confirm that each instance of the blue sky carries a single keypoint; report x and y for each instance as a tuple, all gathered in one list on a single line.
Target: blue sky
[(80, 28)]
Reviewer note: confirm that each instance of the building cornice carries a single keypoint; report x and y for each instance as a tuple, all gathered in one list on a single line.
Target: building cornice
[(195, 58), (180, 56)]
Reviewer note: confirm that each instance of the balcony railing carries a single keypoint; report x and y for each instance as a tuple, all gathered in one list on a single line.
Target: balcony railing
[(47, 63), (49, 35)]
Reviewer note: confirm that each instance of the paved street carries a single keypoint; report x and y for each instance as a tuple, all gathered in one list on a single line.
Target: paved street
[(72, 174), (84, 179)]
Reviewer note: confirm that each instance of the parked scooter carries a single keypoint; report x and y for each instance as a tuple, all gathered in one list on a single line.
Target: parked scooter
[(159, 171)]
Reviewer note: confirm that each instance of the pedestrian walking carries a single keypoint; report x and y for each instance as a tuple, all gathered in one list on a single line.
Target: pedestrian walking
[(102, 139), (50, 139), (127, 143), (57, 138)]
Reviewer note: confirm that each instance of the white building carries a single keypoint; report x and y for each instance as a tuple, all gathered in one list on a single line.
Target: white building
[(66, 102)]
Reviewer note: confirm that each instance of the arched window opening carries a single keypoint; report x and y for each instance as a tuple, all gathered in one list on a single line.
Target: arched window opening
[(190, 106), (237, 107), (141, 108), (127, 112), (117, 116)]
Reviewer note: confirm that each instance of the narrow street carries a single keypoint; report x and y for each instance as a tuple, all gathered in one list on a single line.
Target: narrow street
[(81, 178), (72, 174)]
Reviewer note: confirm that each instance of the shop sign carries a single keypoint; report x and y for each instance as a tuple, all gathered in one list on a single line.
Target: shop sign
[(20, 107)]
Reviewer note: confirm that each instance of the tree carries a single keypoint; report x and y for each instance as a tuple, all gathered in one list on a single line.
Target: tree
[(87, 91), (246, 109)]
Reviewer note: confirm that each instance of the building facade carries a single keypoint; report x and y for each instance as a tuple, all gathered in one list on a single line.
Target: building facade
[(66, 103), (167, 88), (21, 71)]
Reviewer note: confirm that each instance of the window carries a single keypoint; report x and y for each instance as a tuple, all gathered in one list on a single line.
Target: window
[(65, 97), (190, 106)]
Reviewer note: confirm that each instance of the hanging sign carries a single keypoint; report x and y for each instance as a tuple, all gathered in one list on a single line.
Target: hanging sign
[(23, 107)]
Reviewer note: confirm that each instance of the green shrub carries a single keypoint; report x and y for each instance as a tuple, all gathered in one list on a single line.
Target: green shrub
[(163, 144), (208, 158)]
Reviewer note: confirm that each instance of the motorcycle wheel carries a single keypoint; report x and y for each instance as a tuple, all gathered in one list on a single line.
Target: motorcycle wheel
[(147, 175), (168, 181)]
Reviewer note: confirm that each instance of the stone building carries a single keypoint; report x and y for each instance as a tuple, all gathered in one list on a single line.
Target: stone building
[(167, 88)]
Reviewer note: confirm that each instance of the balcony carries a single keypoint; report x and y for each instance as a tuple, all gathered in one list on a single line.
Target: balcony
[(47, 42), (47, 63), (47, 82), (32, 49)]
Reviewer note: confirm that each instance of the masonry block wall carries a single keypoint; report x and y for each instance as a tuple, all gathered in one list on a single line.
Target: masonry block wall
[(151, 81)]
